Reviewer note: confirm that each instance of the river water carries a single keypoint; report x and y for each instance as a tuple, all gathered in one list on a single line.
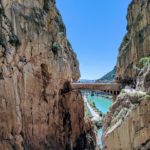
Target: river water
[(103, 105)]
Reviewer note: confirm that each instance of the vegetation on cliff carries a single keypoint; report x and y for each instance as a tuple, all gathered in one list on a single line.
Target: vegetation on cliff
[(144, 62)]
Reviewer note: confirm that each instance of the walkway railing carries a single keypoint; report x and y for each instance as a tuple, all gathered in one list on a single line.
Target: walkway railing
[(113, 88)]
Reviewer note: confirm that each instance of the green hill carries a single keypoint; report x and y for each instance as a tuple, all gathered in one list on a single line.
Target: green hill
[(110, 76)]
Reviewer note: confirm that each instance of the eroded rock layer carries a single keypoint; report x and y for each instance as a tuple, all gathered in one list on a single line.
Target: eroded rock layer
[(37, 108), (136, 43)]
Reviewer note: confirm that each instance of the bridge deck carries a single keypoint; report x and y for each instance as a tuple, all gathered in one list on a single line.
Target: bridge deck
[(113, 88)]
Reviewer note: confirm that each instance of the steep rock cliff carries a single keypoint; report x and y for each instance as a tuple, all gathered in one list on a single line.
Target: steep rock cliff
[(37, 108), (127, 124), (136, 43)]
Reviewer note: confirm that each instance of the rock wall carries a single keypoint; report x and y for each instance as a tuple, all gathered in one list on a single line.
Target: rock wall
[(143, 79), (136, 43), (127, 124), (128, 127), (37, 108)]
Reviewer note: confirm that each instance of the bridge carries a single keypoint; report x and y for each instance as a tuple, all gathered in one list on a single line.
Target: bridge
[(113, 88)]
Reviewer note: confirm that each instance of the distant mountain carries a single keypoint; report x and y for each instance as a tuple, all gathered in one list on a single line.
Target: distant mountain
[(110, 76)]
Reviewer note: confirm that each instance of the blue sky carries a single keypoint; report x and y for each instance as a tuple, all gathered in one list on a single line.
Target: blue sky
[(95, 29)]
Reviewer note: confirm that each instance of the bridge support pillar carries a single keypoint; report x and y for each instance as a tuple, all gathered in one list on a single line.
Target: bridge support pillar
[(114, 97)]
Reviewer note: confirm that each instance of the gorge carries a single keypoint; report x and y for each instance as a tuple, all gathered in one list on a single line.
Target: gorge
[(38, 108)]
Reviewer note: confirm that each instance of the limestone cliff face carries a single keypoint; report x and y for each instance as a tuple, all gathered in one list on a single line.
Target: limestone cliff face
[(127, 124), (136, 43), (37, 108)]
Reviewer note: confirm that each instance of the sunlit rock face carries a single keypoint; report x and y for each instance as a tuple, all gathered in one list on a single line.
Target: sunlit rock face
[(37, 108), (127, 124), (136, 43), (143, 79)]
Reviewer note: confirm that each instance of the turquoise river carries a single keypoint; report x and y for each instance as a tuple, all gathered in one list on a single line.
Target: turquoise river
[(103, 105)]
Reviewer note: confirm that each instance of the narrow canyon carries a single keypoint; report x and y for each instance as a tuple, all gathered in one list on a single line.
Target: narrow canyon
[(38, 108)]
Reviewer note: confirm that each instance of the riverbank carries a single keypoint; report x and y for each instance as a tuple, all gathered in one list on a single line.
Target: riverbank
[(94, 115), (95, 108)]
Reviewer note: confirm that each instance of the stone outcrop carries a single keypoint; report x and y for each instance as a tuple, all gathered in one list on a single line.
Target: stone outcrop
[(136, 43), (143, 79), (37, 108), (127, 125)]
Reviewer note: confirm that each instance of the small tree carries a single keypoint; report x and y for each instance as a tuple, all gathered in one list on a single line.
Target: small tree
[(144, 61)]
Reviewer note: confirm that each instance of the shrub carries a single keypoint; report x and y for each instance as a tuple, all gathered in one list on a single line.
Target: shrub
[(3, 41), (93, 104), (98, 124), (144, 61), (1, 11), (145, 97), (46, 5), (14, 40), (55, 48)]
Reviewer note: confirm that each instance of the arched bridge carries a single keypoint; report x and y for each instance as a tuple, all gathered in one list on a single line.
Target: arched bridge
[(113, 88)]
